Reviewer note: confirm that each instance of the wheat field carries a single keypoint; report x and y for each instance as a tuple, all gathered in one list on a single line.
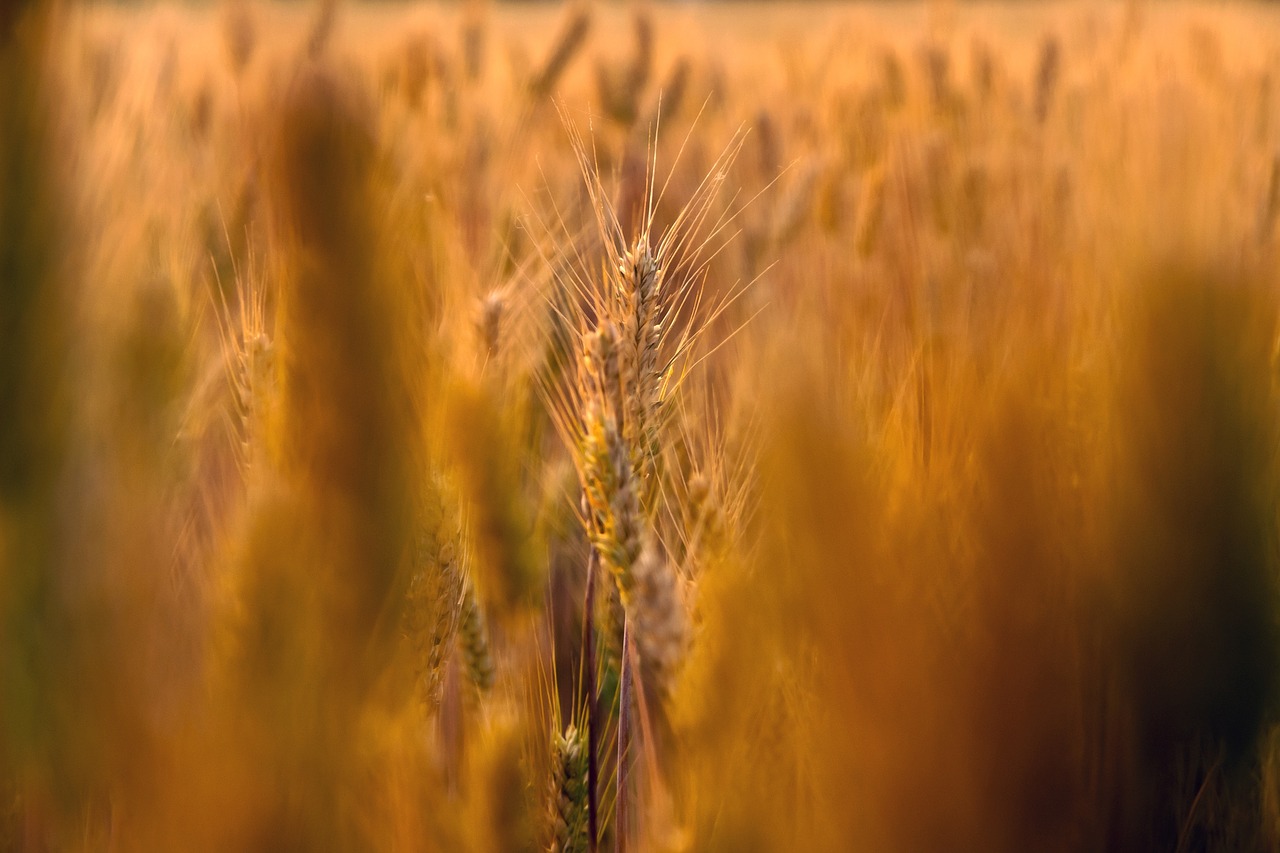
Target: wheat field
[(482, 426)]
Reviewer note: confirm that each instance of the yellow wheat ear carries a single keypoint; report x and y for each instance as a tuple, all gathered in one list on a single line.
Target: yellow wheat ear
[(569, 791), (321, 579)]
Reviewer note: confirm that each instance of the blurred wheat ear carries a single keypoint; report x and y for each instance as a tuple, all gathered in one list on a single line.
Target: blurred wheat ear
[(569, 42), (323, 576)]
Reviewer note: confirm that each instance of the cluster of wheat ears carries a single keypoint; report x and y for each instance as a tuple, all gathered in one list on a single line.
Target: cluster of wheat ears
[(639, 427)]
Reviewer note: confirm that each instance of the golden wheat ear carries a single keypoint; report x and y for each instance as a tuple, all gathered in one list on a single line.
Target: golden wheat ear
[(248, 365), (650, 284), (570, 821)]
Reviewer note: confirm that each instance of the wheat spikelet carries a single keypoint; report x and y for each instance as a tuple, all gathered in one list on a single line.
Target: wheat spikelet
[(613, 506), (640, 327), (707, 521), (249, 364), (617, 525), (257, 387), (473, 635), (431, 615), (659, 616), (569, 825)]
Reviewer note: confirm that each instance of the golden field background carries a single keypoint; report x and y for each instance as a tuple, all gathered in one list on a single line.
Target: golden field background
[(852, 426)]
